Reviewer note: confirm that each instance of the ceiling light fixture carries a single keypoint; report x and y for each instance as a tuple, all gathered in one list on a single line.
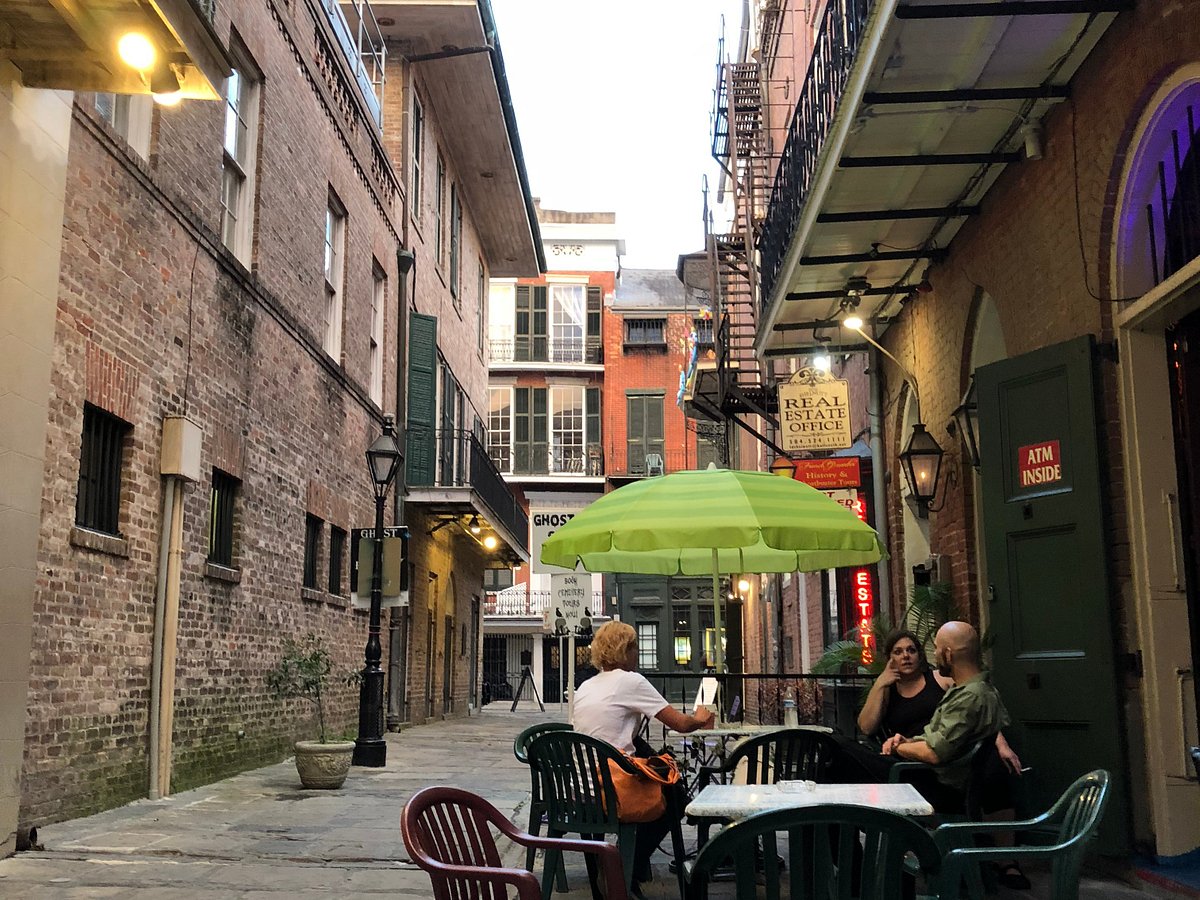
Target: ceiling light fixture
[(491, 542), (473, 526), (136, 51)]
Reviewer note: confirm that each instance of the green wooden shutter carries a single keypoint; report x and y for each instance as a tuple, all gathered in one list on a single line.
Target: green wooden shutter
[(540, 323), (522, 345), (422, 399), (654, 424), (595, 306), (520, 431), (591, 433), (635, 432), (539, 446)]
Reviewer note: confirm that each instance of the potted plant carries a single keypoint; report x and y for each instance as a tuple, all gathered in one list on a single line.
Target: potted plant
[(303, 671)]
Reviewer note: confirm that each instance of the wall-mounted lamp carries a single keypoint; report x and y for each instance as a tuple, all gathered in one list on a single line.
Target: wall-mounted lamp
[(966, 424), (921, 460)]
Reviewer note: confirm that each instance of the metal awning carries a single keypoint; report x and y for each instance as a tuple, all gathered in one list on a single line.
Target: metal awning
[(910, 113)]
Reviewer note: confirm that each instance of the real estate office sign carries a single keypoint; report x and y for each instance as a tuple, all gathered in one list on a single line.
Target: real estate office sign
[(814, 413)]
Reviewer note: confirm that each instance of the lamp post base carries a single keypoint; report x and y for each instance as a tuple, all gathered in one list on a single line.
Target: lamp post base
[(372, 754)]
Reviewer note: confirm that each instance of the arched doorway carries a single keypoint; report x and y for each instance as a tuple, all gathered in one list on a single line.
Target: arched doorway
[(1156, 243)]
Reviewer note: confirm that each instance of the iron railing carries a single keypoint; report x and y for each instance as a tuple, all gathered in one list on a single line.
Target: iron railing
[(363, 44), (550, 460), (645, 460), (463, 461), (518, 601), (834, 53), (525, 348)]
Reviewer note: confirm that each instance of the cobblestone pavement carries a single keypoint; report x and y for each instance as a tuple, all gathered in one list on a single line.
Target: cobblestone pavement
[(260, 836)]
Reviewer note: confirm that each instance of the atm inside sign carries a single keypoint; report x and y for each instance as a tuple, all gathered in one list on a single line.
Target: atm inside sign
[(1039, 464)]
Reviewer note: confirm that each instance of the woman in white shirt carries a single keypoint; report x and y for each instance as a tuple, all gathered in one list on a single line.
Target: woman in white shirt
[(613, 705)]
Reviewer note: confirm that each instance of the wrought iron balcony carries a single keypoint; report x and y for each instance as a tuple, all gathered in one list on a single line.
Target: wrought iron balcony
[(834, 53), (362, 41), (536, 349), (463, 462), (648, 460), (519, 602), (548, 460)]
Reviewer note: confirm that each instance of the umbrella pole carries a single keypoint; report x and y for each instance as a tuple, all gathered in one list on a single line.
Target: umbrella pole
[(718, 656)]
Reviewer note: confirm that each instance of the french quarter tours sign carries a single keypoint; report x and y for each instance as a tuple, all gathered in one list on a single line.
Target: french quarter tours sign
[(814, 412)]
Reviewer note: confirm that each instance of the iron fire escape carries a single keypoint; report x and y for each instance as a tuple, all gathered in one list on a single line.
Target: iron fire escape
[(740, 146)]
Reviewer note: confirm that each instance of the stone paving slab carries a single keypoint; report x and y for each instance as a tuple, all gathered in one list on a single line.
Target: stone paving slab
[(261, 836)]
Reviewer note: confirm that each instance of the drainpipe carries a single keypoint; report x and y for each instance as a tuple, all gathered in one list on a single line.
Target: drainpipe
[(160, 593), (179, 461), (875, 416), (166, 631), (406, 265)]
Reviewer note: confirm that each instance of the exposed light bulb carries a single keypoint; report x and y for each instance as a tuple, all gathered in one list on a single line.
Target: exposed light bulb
[(136, 51), (743, 585), (169, 99), (491, 542), (822, 362), (853, 322)]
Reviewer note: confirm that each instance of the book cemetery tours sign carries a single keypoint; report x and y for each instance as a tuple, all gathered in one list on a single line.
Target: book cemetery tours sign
[(814, 412)]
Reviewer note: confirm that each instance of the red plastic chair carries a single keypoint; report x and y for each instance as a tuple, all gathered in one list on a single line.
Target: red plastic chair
[(448, 833)]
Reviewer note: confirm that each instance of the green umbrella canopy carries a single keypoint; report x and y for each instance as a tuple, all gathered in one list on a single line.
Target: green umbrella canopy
[(754, 521)]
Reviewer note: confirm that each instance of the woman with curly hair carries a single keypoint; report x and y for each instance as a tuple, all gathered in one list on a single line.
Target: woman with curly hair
[(613, 706)]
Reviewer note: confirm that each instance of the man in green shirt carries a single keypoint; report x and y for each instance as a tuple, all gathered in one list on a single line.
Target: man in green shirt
[(970, 711)]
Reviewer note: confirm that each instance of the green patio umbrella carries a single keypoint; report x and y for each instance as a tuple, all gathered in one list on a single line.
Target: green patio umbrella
[(713, 522)]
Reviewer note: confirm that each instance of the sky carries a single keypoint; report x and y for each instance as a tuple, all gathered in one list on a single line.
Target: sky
[(613, 101)]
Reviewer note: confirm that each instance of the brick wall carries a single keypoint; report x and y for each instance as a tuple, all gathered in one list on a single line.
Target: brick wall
[(646, 369), (155, 318)]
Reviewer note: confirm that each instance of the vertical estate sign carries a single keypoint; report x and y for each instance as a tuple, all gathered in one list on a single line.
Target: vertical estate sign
[(814, 414)]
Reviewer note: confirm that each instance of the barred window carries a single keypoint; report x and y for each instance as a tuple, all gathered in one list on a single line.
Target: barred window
[(220, 518), (645, 332), (98, 501), (312, 542), (337, 549)]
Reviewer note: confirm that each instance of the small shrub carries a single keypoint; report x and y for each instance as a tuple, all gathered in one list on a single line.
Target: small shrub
[(303, 671)]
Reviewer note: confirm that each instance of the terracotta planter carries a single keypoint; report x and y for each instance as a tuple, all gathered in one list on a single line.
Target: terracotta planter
[(323, 765)]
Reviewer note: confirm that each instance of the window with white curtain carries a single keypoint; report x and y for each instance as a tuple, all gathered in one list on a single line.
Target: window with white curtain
[(568, 320), (647, 635), (378, 290)]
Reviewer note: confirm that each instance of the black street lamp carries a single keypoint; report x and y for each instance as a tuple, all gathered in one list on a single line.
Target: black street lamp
[(383, 461)]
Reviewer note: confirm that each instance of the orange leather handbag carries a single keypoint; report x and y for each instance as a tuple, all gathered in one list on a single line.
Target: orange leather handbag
[(640, 795)]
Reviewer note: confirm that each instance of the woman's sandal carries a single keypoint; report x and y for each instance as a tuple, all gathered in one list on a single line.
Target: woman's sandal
[(1010, 876)]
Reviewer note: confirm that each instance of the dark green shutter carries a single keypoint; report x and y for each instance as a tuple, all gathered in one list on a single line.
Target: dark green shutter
[(539, 446), (523, 323), (521, 430), (654, 424), (422, 398), (595, 306), (635, 429), (592, 436), (540, 323)]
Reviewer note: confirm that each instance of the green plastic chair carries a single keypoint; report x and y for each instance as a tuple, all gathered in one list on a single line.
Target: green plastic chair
[(789, 754), (1072, 822), (537, 806), (578, 791), (832, 851)]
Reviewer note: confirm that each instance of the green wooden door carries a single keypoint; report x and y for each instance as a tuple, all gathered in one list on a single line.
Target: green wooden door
[(1051, 606)]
